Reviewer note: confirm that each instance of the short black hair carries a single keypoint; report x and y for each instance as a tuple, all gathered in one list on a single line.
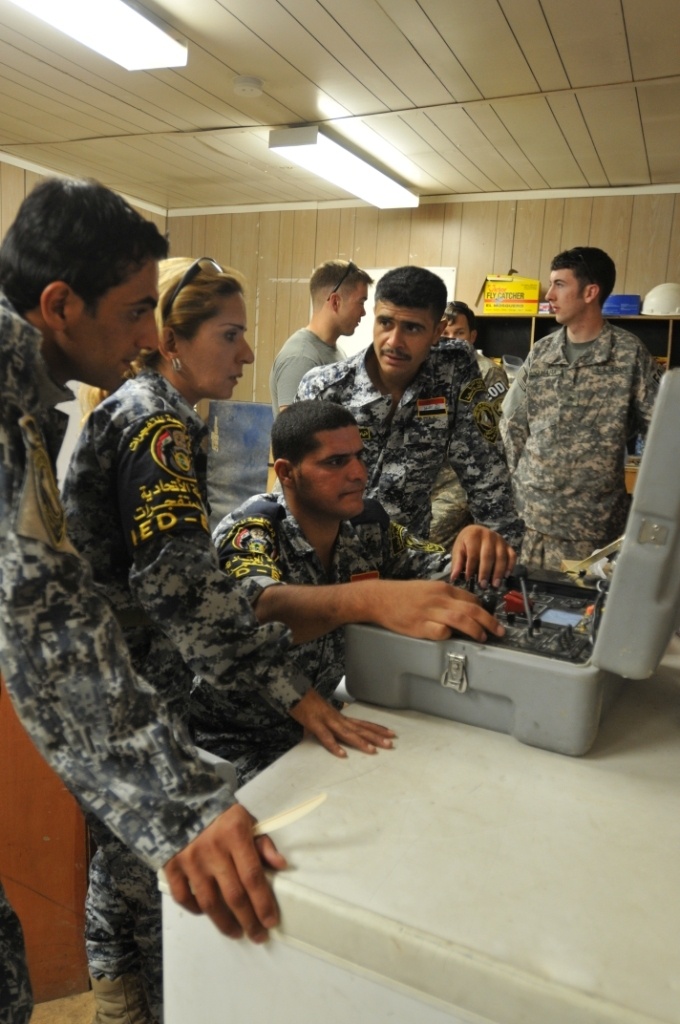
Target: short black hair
[(455, 309), (75, 231), (295, 428), (590, 266), (413, 288)]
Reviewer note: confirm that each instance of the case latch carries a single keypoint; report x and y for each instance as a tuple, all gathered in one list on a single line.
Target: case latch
[(652, 533), (454, 676)]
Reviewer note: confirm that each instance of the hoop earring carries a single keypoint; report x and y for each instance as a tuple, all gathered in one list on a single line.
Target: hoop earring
[(176, 364)]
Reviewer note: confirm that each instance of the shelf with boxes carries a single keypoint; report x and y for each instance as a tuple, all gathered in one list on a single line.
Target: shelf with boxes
[(514, 335)]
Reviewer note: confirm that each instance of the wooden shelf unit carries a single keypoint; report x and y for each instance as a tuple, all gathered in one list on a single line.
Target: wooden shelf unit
[(515, 335)]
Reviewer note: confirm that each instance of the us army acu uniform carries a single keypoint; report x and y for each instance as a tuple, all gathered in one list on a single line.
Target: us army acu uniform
[(16, 1001), (64, 660), (564, 424), (450, 510), (262, 542), (444, 416), (135, 497)]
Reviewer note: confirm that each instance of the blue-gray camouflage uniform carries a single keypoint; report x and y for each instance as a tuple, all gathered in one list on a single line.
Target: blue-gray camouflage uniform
[(63, 657), (444, 415), (135, 498), (263, 542), (565, 426), (450, 509)]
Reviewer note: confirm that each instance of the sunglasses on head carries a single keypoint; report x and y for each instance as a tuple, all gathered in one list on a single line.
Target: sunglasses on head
[(584, 262), (191, 272), (347, 271)]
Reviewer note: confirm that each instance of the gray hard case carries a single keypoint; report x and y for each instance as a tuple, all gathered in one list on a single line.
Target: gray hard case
[(540, 700)]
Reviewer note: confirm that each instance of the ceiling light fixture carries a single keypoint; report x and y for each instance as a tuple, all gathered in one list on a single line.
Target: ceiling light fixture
[(308, 148), (113, 29)]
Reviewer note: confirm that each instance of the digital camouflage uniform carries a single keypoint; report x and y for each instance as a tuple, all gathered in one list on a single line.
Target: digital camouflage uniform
[(135, 499), (262, 541), (450, 510), (565, 428), (444, 415), (64, 660), (16, 1002)]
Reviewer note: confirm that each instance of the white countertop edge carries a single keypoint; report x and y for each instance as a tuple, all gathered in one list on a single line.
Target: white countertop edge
[(458, 978)]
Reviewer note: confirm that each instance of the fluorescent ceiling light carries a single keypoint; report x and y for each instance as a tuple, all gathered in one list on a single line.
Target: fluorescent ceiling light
[(113, 29), (308, 148)]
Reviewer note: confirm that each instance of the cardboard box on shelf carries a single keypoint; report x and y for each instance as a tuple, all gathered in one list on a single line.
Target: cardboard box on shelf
[(509, 295)]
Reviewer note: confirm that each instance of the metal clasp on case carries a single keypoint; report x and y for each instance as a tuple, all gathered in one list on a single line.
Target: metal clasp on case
[(652, 533), (454, 676)]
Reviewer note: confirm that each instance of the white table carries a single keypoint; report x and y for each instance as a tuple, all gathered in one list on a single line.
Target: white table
[(463, 877)]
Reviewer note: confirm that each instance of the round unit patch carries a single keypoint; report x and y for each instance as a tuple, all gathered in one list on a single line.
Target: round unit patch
[(171, 450)]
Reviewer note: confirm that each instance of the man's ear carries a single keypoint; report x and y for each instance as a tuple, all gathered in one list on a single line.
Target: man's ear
[(59, 305), (284, 470), (591, 292)]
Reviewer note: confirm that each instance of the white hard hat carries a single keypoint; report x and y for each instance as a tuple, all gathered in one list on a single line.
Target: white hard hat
[(663, 300)]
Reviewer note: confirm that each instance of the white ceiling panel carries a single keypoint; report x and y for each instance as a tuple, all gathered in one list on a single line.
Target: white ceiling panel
[(568, 115), (660, 114), (533, 126), (530, 29), (483, 41), (613, 119), (454, 96), (591, 38), (509, 157), (653, 32)]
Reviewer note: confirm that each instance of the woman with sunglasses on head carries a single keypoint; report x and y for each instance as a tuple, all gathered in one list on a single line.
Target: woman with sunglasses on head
[(136, 501)]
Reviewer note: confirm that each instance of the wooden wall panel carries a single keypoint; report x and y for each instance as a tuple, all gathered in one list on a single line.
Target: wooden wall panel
[(284, 279), (674, 247), (576, 227), (427, 236), (304, 252), (180, 233), (526, 250), (649, 247), (217, 240), (477, 249), (366, 237), (552, 238), (346, 248), (12, 193), (394, 234), (244, 258), (610, 228), (262, 334), (451, 234), (505, 237), (198, 243), (32, 179), (327, 239)]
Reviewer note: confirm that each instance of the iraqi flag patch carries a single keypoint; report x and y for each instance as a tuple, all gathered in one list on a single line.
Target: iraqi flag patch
[(432, 407)]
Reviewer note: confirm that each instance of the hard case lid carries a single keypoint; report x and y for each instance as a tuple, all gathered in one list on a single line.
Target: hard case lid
[(643, 604)]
